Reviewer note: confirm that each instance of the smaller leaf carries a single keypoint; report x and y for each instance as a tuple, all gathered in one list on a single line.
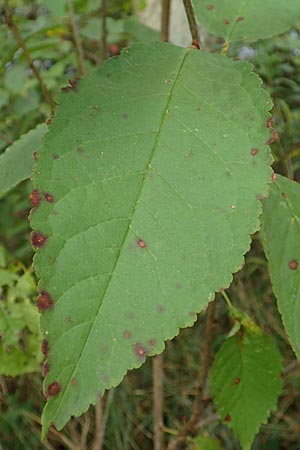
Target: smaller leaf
[(245, 382), (243, 20), (281, 241), (207, 443), (17, 161)]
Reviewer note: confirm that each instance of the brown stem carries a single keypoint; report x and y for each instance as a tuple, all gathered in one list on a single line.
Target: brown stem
[(76, 37), (101, 417), (158, 400), (104, 32), (165, 20), (190, 14), (191, 427), (15, 31)]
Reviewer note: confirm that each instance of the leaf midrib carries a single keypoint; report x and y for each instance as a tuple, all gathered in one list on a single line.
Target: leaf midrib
[(155, 145)]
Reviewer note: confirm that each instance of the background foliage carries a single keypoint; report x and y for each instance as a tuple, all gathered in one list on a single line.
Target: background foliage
[(46, 30)]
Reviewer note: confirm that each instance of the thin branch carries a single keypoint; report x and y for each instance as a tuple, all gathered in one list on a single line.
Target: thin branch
[(190, 14), (191, 427), (165, 20), (104, 31), (15, 31), (76, 37), (158, 401), (101, 417)]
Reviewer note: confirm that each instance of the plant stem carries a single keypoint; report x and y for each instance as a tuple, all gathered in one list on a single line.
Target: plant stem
[(190, 14), (165, 20), (104, 32), (14, 29), (101, 417), (157, 370), (191, 427), (76, 37)]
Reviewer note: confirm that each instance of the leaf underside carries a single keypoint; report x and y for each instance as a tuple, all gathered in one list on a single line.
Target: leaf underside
[(245, 382), (152, 181), (281, 240), (244, 20)]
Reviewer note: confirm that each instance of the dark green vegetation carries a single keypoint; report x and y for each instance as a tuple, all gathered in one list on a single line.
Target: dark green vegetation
[(61, 52)]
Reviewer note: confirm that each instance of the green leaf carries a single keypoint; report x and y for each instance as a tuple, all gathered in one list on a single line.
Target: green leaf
[(19, 324), (244, 20), (151, 182), (17, 161), (281, 241), (245, 382), (207, 443)]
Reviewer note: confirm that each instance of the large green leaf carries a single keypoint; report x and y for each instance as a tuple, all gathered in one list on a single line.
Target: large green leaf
[(245, 382), (17, 161), (145, 195), (247, 20), (281, 240)]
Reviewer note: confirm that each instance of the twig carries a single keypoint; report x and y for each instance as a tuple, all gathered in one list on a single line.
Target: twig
[(165, 20), (191, 427), (76, 37), (104, 31), (190, 14), (101, 418), (14, 29), (158, 400)]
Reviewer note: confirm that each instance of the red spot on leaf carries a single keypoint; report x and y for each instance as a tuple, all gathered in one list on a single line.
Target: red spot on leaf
[(53, 389), (237, 380), (240, 19), (254, 151), (210, 7), (35, 156), (141, 243), (269, 123), (127, 334), (45, 369), (74, 382), (273, 138), (227, 418), (226, 22), (37, 238), (273, 177), (35, 198), (49, 197), (48, 121), (293, 265), (45, 347), (152, 342), (140, 351), (44, 301)]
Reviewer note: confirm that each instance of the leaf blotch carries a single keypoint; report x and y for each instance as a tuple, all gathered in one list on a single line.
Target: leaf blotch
[(269, 123), (127, 334), (227, 418), (160, 309), (45, 369), (210, 7), (152, 342), (273, 138), (125, 116), (45, 347), (141, 243), (53, 389), (240, 19), (293, 265), (73, 382), (226, 22), (44, 301), (37, 239), (140, 351), (254, 151), (236, 380), (80, 150), (35, 198), (49, 197)]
